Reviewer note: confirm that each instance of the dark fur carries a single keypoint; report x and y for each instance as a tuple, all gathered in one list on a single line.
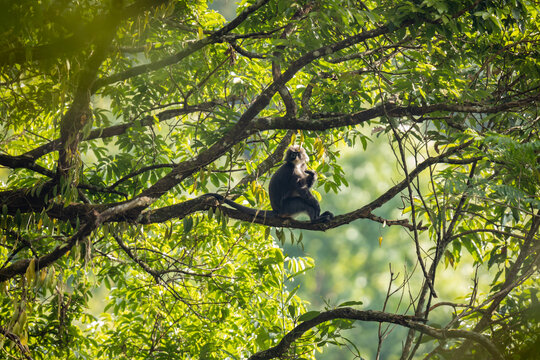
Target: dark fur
[(289, 190)]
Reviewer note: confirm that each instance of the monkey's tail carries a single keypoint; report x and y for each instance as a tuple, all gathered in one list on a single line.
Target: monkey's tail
[(244, 209)]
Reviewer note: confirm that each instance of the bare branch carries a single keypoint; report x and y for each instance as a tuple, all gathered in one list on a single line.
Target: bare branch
[(376, 316), (24, 162), (243, 52), (428, 279)]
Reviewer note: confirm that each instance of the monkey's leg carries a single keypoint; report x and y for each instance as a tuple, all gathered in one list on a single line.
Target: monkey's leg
[(297, 205)]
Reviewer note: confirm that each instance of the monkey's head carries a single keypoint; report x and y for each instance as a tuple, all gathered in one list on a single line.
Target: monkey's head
[(296, 155)]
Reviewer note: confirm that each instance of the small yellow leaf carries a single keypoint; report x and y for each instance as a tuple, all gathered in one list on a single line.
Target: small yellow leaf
[(24, 338), (31, 270), (380, 241)]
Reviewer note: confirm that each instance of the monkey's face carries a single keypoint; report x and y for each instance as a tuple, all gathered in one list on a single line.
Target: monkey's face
[(296, 155)]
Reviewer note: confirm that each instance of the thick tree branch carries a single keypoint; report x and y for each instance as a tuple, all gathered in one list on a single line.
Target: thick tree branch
[(93, 221), (204, 203), (24, 162), (16, 199), (352, 314), (79, 114)]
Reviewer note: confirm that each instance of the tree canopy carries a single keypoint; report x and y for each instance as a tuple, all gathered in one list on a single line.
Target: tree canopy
[(119, 116)]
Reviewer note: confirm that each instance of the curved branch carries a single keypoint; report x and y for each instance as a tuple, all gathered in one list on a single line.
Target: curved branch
[(20, 200), (337, 221), (187, 207), (324, 122), (24, 162), (116, 129), (376, 316), (218, 36), (204, 202), (243, 52), (155, 274)]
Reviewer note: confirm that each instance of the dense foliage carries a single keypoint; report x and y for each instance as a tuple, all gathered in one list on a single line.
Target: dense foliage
[(117, 117)]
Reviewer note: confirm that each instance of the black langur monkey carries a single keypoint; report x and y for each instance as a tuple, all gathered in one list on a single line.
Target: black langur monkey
[(289, 190), (290, 186)]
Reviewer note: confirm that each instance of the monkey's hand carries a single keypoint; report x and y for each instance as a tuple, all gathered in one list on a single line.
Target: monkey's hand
[(311, 178)]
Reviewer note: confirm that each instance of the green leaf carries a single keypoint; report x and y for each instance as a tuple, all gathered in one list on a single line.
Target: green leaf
[(188, 224), (350, 303), (515, 214), (291, 294), (292, 310), (309, 315)]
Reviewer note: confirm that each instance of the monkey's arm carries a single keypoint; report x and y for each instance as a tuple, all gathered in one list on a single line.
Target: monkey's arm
[(310, 178)]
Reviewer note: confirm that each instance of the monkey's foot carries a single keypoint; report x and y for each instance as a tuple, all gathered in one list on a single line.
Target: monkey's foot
[(325, 217)]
